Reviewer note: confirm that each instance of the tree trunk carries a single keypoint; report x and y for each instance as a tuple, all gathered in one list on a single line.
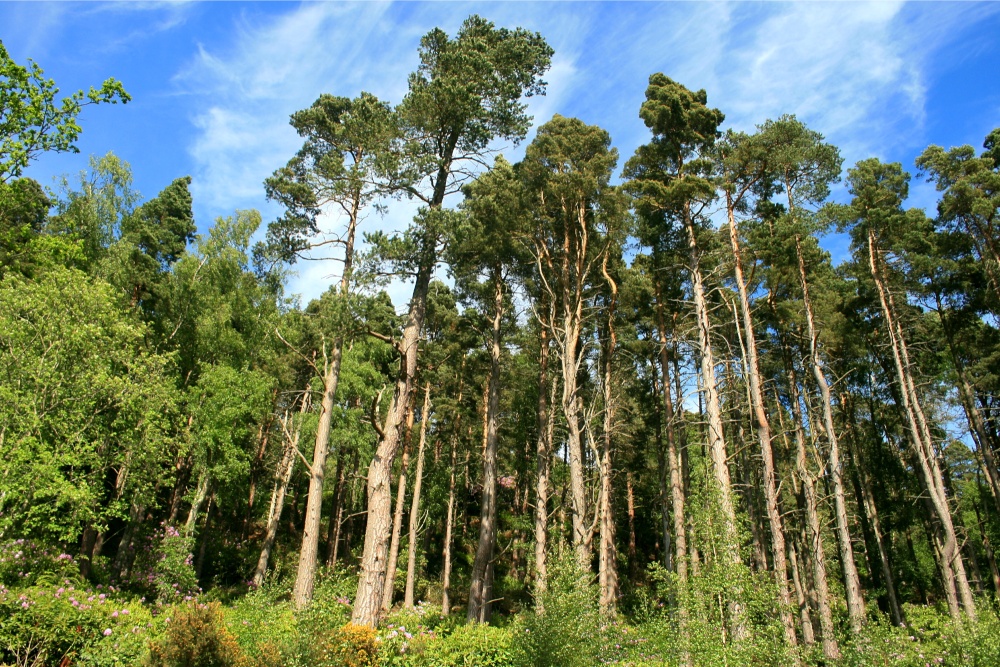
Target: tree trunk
[(543, 451), (371, 582), (677, 496), (418, 479), (607, 571), (831, 650), (389, 585), (282, 477), (805, 620), (763, 433), (871, 511), (448, 522), (952, 568), (305, 578), (199, 498), (852, 582), (479, 591), (716, 440), (337, 511)]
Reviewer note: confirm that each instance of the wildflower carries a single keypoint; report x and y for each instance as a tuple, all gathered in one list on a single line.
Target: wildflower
[(107, 632)]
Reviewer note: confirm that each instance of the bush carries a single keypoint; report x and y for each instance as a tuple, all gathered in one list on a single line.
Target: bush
[(475, 645), (22, 562), (348, 646), (196, 637), (570, 630), (265, 626), (931, 638), (62, 619), (163, 566)]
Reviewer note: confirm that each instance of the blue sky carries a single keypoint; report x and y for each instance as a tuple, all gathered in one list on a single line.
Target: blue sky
[(213, 84)]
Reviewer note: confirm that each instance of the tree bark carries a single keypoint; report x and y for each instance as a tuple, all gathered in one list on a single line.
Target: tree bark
[(305, 578), (543, 455), (831, 649), (449, 521), (418, 479), (677, 496), (479, 590), (371, 582), (852, 581), (389, 585), (713, 410), (607, 571), (763, 432), (282, 477), (950, 562)]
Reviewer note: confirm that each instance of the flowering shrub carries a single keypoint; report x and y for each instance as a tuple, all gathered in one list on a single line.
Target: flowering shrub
[(196, 637), (163, 566), (22, 562), (59, 619), (348, 646)]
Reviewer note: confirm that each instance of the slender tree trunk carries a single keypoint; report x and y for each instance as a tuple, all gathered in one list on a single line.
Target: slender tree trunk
[(716, 440), (677, 496), (479, 590), (389, 585), (952, 568), (988, 548), (816, 549), (607, 571), (977, 426), (306, 576), (282, 477), (199, 498), (337, 512), (411, 560), (763, 433), (852, 582), (543, 454), (871, 511), (448, 522), (371, 582), (808, 635)]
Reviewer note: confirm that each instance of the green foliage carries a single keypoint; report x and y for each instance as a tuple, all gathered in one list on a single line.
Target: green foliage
[(31, 121), (930, 638), (570, 631), (81, 399), (59, 618), (23, 210), (475, 645)]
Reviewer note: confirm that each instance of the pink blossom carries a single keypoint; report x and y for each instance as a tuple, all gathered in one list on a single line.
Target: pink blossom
[(107, 632)]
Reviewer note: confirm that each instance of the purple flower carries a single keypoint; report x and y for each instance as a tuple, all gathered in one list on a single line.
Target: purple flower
[(107, 632)]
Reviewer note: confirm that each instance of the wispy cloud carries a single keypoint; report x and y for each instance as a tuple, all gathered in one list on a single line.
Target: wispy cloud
[(856, 72)]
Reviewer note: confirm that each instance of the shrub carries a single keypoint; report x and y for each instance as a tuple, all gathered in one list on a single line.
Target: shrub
[(348, 646), (475, 645), (23, 562), (196, 637), (569, 631), (264, 625), (62, 619)]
